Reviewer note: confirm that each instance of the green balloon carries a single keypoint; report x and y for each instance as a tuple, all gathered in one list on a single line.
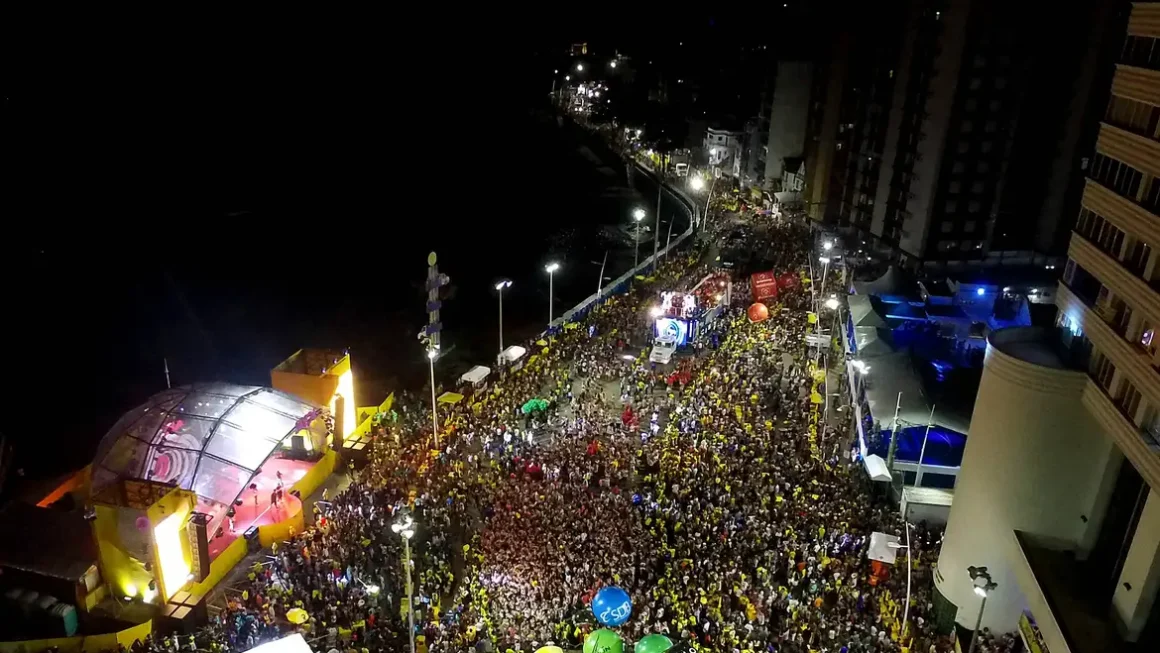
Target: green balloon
[(655, 643), (603, 641)]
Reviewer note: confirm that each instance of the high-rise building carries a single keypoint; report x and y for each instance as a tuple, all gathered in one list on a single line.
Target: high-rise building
[(789, 108), (968, 129), (1059, 492)]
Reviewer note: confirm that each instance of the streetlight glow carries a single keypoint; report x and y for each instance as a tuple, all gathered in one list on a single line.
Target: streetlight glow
[(638, 214), (655, 311), (613, 64), (825, 260), (567, 78), (696, 183), (579, 67), (832, 304), (827, 245), (503, 284), (551, 267), (432, 354)]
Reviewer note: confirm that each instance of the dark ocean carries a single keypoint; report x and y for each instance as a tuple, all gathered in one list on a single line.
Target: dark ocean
[(236, 274)]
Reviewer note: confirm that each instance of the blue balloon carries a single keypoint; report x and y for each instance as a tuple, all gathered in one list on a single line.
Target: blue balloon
[(636, 499), (612, 606)]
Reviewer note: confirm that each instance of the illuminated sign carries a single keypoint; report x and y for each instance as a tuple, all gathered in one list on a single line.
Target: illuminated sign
[(674, 328)]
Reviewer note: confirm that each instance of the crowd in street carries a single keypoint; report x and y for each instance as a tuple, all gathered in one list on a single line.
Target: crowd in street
[(715, 491)]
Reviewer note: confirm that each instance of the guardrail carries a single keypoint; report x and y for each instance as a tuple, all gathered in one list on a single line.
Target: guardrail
[(620, 283)]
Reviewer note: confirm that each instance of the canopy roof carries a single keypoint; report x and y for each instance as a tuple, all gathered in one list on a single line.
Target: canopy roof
[(475, 374), (207, 438)]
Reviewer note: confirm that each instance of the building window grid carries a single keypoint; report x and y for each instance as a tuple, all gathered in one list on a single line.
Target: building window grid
[(1132, 115), (1110, 240), (1117, 176), (1102, 370)]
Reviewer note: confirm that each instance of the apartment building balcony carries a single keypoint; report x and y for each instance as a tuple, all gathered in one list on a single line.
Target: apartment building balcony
[(1139, 445)]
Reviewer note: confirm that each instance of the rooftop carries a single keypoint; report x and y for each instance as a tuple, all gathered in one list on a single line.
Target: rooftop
[(46, 542)]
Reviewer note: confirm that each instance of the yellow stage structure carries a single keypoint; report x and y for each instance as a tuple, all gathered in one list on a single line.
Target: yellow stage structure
[(140, 530), (166, 473), (324, 377)]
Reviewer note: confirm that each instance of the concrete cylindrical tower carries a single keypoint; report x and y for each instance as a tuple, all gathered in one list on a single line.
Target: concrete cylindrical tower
[(1033, 462)]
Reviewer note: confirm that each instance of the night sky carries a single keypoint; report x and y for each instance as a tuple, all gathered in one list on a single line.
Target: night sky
[(220, 194)]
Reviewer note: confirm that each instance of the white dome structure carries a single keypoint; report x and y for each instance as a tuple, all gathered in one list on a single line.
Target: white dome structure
[(209, 438)]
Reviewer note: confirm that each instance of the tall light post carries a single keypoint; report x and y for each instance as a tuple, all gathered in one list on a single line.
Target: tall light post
[(499, 288), (432, 354), (983, 586), (909, 566), (825, 261), (637, 215), (405, 528), (551, 270)]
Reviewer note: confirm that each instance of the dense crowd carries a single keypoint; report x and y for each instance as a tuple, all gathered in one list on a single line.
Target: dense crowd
[(699, 488)]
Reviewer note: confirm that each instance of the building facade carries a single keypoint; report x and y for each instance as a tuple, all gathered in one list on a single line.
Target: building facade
[(788, 113), (1059, 496), (969, 132)]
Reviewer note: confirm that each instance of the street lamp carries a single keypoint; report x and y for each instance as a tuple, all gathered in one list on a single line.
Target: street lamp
[(612, 64), (909, 566), (828, 245), (696, 183), (579, 67), (432, 354), (832, 304), (499, 288), (405, 528), (638, 215), (983, 586), (551, 270)]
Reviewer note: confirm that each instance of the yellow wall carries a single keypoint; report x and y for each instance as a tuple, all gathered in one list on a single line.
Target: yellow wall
[(315, 389), (90, 644), (180, 503), (125, 575), (281, 531), (317, 475)]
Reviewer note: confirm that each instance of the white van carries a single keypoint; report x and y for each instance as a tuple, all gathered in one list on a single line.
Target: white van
[(662, 351)]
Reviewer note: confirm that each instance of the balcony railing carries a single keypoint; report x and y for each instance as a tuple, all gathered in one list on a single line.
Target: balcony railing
[(1149, 434)]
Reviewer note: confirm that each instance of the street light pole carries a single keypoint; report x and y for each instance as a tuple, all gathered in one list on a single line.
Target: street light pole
[(978, 625), (551, 270), (405, 528), (981, 579), (657, 229), (432, 354), (638, 215), (499, 287), (410, 592), (909, 567)]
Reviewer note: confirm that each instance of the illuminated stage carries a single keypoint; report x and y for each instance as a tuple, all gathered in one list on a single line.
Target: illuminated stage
[(262, 512)]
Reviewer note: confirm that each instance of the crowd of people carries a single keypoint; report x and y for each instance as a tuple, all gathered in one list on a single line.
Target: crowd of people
[(714, 491)]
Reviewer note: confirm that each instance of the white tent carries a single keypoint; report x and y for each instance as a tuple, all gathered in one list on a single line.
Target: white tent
[(512, 354), (475, 375), (876, 468), (881, 547), (291, 644)]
